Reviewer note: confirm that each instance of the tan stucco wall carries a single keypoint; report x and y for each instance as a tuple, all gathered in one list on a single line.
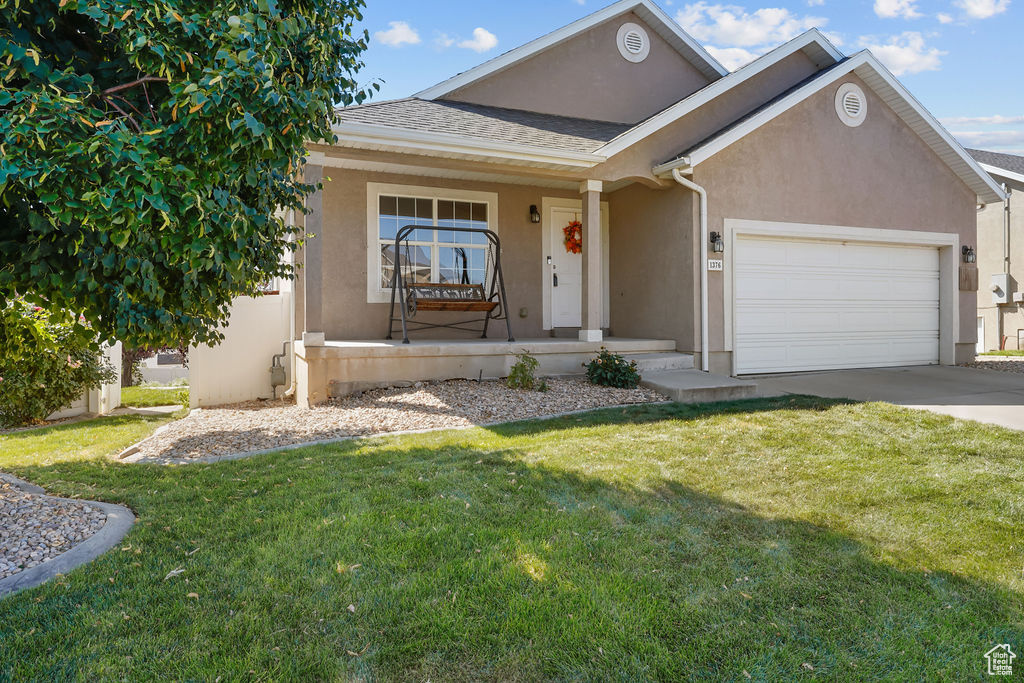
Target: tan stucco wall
[(806, 166), (586, 77), (638, 160), (347, 315), (653, 283), (990, 261)]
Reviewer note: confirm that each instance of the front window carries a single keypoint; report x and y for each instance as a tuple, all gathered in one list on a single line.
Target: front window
[(439, 253)]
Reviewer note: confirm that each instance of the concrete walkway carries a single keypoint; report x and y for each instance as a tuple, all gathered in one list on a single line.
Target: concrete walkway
[(969, 393)]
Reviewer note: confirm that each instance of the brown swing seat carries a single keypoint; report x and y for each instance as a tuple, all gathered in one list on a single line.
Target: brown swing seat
[(448, 297)]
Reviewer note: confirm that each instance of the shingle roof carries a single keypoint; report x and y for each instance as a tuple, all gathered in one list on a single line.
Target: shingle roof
[(1007, 162), (487, 123)]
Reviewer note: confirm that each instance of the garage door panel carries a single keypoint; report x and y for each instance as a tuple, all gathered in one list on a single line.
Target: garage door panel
[(814, 305)]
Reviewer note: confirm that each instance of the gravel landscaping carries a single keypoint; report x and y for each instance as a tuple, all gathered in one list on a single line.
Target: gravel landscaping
[(257, 426), (1000, 363), (35, 528)]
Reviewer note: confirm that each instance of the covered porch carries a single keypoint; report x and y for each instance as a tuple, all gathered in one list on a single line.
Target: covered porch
[(338, 368)]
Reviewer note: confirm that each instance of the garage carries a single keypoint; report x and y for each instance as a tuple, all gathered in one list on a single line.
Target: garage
[(806, 304)]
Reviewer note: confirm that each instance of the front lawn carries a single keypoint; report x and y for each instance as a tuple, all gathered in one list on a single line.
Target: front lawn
[(1008, 352), (767, 539), (150, 396)]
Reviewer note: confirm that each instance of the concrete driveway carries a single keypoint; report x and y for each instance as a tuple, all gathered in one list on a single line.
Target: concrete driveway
[(970, 393)]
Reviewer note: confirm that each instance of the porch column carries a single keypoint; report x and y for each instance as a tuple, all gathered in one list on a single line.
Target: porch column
[(592, 305), (312, 268)]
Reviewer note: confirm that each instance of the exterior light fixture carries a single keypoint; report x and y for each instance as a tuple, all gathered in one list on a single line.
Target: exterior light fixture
[(534, 214), (969, 255), (717, 244)]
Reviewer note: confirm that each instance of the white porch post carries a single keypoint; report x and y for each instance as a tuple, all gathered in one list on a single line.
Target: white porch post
[(592, 303)]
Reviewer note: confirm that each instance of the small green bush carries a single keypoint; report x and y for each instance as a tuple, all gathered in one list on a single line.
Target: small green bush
[(181, 397), (59, 365), (522, 374), (612, 370)]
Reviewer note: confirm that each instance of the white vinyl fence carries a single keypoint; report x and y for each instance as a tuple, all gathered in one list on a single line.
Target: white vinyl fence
[(98, 401), (238, 369)]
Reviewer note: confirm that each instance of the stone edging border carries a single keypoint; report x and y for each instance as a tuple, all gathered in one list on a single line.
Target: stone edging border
[(119, 521), (131, 450)]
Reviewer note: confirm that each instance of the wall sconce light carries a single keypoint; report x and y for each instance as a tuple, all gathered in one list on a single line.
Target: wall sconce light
[(717, 244), (969, 255), (534, 214)]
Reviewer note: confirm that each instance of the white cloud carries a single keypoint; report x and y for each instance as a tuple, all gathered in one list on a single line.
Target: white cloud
[(982, 9), (399, 34), (815, 3), (482, 41), (905, 53), (944, 18), (996, 140), (733, 26), (996, 120), (732, 58), (893, 9), (444, 40)]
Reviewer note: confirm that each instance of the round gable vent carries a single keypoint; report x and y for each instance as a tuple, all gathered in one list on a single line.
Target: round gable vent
[(633, 42), (851, 105)]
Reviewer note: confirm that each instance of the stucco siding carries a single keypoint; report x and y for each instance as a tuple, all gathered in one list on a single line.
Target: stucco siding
[(638, 160), (653, 281), (587, 77), (806, 166)]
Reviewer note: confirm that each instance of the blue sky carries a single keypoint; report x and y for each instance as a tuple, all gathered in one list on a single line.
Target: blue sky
[(962, 59)]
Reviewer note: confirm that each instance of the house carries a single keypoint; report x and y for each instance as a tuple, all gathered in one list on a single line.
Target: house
[(1000, 258), (803, 212)]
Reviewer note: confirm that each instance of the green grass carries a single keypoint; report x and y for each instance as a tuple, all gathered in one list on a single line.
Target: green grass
[(660, 542), (1008, 352), (147, 397)]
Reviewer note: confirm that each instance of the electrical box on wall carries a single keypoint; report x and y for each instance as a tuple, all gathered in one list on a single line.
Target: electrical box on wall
[(1018, 297), (1001, 288)]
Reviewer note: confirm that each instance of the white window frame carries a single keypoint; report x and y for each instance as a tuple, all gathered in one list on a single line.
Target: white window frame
[(376, 293)]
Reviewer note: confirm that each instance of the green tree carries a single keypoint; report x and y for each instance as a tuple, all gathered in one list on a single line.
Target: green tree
[(150, 149)]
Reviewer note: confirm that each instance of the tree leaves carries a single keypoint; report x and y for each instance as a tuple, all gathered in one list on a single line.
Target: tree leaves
[(170, 134)]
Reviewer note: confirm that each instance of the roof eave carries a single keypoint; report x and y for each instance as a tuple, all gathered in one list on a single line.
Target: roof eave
[(369, 136), (1002, 172)]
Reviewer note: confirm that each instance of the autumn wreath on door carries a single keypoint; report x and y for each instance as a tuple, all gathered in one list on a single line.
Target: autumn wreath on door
[(573, 237)]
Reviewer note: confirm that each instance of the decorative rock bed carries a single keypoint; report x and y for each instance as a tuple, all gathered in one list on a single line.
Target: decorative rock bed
[(1000, 363), (42, 536), (35, 528), (214, 433)]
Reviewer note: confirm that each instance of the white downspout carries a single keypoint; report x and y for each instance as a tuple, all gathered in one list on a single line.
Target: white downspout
[(705, 362)]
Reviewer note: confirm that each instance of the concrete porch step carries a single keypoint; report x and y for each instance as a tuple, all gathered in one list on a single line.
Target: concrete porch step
[(654, 362), (694, 386)]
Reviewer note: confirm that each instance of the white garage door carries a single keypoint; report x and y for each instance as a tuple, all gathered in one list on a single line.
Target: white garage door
[(819, 305)]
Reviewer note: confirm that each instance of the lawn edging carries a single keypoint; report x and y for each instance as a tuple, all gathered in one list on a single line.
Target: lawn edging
[(126, 454), (119, 522)]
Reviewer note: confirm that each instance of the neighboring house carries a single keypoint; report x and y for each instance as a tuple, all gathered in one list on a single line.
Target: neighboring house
[(1001, 257), (836, 209)]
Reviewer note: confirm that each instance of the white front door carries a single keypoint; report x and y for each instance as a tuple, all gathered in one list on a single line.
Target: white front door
[(565, 271)]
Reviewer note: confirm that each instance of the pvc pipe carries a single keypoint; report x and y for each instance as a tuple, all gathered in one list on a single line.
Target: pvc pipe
[(705, 362)]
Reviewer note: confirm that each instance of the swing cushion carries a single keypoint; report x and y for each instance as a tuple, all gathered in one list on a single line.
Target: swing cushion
[(451, 297)]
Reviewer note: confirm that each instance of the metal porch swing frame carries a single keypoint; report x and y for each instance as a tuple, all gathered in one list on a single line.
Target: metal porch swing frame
[(410, 303)]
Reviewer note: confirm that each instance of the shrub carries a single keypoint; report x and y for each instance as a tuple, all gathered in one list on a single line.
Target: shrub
[(59, 366), (522, 374), (181, 397), (612, 370)]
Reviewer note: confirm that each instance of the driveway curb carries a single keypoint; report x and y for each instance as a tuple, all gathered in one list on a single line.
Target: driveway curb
[(119, 522)]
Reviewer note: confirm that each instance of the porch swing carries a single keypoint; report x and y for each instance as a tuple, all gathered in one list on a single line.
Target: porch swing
[(415, 296)]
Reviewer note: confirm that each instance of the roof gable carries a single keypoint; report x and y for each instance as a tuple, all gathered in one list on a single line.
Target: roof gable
[(890, 90), (646, 10)]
